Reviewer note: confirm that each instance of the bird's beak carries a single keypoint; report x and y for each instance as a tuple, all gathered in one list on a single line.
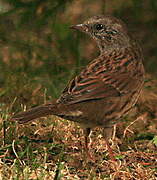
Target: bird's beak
[(80, 27)]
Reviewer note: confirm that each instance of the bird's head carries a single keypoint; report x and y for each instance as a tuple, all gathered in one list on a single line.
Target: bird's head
[(107, 31)]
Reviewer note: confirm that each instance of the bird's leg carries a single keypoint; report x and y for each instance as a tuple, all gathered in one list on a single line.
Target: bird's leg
[(87, 133), (87, 142), (107, 133)]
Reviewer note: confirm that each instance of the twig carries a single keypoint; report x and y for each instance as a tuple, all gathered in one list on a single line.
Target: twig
[(13, 146), (127, 128)]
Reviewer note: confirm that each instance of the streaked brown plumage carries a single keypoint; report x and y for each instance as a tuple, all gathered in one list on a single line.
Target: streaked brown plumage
[(108, 87)]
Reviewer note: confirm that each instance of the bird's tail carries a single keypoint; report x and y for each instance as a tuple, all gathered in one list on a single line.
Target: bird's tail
[(34, 113)]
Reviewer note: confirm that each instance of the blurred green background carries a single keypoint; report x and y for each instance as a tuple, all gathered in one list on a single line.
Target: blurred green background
[(39, 53)]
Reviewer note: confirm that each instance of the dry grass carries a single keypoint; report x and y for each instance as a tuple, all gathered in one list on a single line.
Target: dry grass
[(52, 148)]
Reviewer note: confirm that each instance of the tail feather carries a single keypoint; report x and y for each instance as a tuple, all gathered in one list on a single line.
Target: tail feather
[(34, 113)]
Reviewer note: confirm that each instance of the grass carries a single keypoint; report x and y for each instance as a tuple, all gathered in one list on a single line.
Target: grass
[(54, 148), (38, 56)]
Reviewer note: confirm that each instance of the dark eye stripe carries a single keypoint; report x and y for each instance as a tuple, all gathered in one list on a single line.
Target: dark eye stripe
[(112, 32)]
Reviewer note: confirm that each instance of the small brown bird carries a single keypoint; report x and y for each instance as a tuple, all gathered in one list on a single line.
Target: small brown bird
[(107, 88)]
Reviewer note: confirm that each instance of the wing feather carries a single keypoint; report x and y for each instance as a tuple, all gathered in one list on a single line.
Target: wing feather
[(99, 81)]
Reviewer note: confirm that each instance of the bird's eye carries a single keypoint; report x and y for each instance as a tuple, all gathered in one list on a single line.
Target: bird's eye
[(99, 27)]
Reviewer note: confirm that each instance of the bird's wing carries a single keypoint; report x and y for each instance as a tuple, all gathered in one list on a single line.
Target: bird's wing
[(96, 82)]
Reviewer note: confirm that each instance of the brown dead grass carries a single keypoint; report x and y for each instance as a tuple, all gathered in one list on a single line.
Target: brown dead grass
[(58, 145)]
